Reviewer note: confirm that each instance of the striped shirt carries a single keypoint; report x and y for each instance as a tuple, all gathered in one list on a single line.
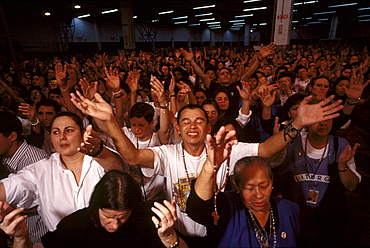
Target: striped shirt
[(25, 155)]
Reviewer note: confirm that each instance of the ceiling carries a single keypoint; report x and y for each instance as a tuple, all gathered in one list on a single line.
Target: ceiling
[(223, 12)]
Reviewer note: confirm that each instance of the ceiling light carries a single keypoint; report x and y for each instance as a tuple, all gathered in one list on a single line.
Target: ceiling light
[(207, 14), (235, 29), (295, 21), (166, 12), (134, 17), (263, 24), (251, 9), (215, 28), (325, 19), (366, 20), (204, 20), (208, 23), (181, 22), (109, 11), (322, 13), (47, 13), (83, 16), (241, 16), (205, 7), (364, 8), (236, 21), (363, 15), (305, 3), (156, 20), (194, 24), (251, 1), (313, 22), (342, 5), (180, 17), (77, 7)]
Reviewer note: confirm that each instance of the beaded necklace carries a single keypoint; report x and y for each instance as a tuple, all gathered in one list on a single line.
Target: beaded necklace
[(261, 234)]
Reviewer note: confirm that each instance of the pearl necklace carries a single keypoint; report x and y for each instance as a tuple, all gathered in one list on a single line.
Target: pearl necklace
[(262, 236)]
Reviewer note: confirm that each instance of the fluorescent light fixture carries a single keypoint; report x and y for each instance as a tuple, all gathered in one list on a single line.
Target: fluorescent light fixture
[(181, 22), (205, 7), (324, 19), (309, 2), (83, 16), (206, 14), (194, 24), (251, 1), (156, 20), (255, 24), (215, 28), (77, 6), (235, 29), (205, 20), (239, 23), (109, 11), (308, 18), (166, 12), (323, 13), (180, 17), (251, 9), (313, 22), (263, 24), (237, 26), (236, 21), (364, 8), (294, 10), (363, 15), (298, 3), (251, 30), (210, 23), (295, 21), (342, 5), (134, 17), (365, 20), (241, 16), (47, 13)]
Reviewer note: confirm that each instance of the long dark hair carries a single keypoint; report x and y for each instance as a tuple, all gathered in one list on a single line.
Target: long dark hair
[(116, 190)]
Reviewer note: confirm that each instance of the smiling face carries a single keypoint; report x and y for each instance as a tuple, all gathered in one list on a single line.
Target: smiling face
[(255, 188), (112, 220), (193, 126), (66, 136)]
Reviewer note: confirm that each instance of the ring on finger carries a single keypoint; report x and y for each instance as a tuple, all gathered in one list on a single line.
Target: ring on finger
[(158, 225)]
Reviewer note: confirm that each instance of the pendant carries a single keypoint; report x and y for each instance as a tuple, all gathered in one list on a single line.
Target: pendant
[(215, 218)]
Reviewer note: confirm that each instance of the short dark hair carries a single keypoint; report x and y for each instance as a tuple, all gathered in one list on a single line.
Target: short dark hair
[(289, 75), (73, 116), (191, 106), (116, 190), (247, 162), (142, 109), (49, 103), (55, 91), (10, 123)]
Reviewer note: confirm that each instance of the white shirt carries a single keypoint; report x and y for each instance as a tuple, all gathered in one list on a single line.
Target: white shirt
[(169, 162), (53, 188)]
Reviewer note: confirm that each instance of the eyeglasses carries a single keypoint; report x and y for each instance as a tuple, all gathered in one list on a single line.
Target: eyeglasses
[(35, 93)]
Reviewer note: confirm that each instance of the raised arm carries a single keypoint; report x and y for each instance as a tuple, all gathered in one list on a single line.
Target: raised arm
[(347, 176), (164, 115), (189, 57), (307, 114), (103, 114)]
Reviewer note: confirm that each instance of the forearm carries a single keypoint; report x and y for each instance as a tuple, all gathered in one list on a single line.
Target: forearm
[(204, 184), (200, 73), (251, 70), (347, 176), (164, 128)]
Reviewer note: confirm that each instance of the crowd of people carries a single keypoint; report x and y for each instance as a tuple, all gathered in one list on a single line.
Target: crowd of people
[(228, 147)]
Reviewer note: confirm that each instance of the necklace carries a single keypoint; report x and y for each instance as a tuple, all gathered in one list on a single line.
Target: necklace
[(318, 166), (137, 141), (262, 236)]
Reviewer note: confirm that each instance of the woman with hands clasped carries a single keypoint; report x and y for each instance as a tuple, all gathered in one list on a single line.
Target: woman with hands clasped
[(248, 216)]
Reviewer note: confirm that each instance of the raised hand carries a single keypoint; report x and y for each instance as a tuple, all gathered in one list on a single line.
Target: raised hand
[(219, 146), (356, 86), (88, 89), (267, 51), (347, 154), (13, 223), (158, 89), (90, 144), (28, 111), (112, 80), (308, 114), (245, 91), (98, 108), (187, 55)]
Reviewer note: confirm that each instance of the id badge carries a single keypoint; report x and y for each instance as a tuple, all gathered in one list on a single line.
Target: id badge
[(313, 196)]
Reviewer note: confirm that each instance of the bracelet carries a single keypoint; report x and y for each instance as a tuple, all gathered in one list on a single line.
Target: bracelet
[(117, 96), (351, 103), (172, 95), (116, 93), (63, 90), (175, 245), (101, 147), (165, 107), (344, 170), (289, 128), (35, 124)]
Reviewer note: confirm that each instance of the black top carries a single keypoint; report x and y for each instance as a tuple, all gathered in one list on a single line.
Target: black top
[(79, 230)]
